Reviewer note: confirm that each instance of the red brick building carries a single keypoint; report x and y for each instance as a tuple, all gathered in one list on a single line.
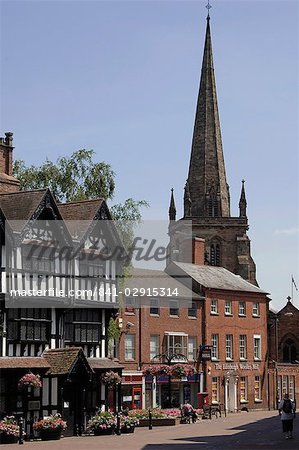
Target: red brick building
[(283, 332), (226, 315)]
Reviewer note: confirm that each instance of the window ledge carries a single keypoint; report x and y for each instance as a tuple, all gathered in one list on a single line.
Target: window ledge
[(229, 359), (257, 400), (154, 315), (214, 313), (174, 317), (228, 314), (243, 401), (256, 316), (192, 317), (242, 315)]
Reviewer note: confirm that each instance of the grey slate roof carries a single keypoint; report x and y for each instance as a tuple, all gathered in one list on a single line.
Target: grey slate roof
[(213, 277), (149, 279)]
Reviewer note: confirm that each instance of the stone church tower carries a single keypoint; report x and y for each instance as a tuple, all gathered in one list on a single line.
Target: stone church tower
[(206, 195)]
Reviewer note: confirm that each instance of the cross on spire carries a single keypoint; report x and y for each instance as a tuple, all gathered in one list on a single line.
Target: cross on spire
[(208, 6)]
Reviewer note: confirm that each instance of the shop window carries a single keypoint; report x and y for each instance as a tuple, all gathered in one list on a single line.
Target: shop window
[(257, 388), (215, 389), (243, 389)]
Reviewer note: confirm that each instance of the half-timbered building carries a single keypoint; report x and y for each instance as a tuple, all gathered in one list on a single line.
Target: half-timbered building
[(58, 292)]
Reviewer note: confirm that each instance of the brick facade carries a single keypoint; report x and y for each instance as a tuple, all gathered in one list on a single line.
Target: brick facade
[(283, 338)]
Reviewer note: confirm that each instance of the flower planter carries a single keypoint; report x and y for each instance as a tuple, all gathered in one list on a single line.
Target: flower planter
[(104, 431), (50, 435), (165, 422), (8, 438)]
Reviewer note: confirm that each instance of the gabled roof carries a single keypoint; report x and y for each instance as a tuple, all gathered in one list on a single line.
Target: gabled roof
[(213, 277), (63, 360), (21, 205), (81, 210)]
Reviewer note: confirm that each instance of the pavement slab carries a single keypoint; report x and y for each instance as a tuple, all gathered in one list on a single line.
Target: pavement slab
[(259, 430)]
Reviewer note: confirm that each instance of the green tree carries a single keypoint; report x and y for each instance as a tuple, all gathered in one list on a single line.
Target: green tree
[(78, 177)]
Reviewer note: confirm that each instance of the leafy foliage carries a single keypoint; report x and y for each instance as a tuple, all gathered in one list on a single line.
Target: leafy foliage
[(71, 178)]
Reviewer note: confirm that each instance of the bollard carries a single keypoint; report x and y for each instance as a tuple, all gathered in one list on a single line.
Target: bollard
[(150, 420), (21, 426), (118, 429)]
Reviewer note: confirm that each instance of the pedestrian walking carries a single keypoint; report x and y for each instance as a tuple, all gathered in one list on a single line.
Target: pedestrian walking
[(287, 411)]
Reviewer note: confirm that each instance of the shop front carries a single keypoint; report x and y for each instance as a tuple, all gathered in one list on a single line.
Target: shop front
[(133, 394)]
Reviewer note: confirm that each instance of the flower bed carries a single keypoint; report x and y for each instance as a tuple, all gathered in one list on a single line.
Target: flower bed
[(50, 428), (128, 424), (9, 430), (160, 417), (102, 423)]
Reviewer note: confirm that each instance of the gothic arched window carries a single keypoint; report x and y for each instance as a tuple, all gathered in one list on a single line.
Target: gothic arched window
[(212, 206), (215, 254), (289, 351)]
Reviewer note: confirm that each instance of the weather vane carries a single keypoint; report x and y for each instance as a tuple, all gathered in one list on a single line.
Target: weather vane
[(208, 6)]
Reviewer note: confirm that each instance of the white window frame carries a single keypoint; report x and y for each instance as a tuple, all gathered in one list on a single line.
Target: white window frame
[(214, 306), (215, 390), (242, 309), (244, 390), (154, 345), (257, 388), (228, 308), (257, 349), (130, 349), (192, 348), (243, 347), (215, 347), (256, 309), (229, 343)]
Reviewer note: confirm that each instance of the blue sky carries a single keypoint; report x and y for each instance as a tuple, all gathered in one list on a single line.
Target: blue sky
[(122, 78)]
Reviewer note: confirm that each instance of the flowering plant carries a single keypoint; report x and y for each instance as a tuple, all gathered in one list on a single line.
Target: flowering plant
[(111, 378), (30, 379), (9, 426), (172, 412), (128, 421), (53, 422), (182, 370), (157, 413), (102, 420), (156, 370)]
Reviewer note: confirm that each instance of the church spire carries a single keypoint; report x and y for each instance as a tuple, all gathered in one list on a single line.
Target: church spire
[(243, 202), (172, 208), (209, 193)]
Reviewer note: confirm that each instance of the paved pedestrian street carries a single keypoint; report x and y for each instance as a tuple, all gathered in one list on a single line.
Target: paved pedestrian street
[(245, 431)]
